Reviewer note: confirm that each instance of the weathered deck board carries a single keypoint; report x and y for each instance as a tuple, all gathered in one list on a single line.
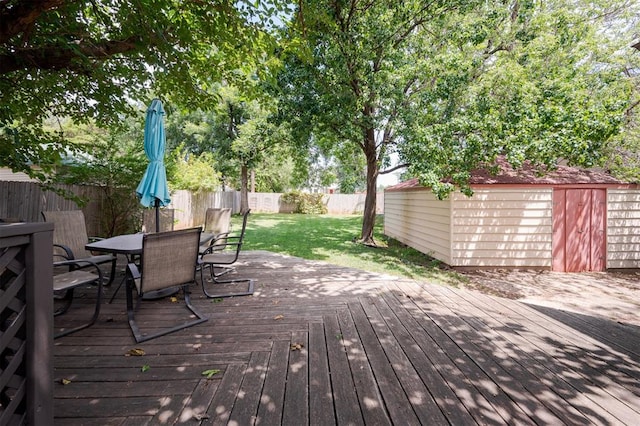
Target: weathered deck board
[(320, 344), (272, 399), (623, 409)]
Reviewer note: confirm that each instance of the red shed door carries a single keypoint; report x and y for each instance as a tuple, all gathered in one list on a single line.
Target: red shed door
[(579, 240)]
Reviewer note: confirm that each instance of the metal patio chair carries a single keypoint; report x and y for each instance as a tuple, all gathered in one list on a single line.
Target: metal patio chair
[(220, 257), (70, 237), (167, 220), (168, 261), (67, 281), (217, 222)]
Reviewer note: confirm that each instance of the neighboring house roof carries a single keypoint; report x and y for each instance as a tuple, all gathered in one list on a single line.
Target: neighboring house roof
[(7, 174), (528, 175)]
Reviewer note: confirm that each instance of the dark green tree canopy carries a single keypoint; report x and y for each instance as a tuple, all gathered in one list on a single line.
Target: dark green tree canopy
[(101, 60), (449, 85)]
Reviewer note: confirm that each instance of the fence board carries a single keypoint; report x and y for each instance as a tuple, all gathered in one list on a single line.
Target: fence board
[(24, 201)]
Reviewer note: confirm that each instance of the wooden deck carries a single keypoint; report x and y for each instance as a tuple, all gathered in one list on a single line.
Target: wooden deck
[(321, 344)]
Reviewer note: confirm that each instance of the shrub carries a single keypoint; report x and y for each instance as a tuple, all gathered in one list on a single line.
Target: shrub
[(305, 203)]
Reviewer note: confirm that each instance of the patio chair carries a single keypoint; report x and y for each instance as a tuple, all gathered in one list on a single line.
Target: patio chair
[(167, 218), (70, 237), (217, 222), (221, 255), (168, 262), (67, 281)]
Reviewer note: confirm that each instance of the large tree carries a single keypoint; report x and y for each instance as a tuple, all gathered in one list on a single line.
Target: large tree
[(93, 59), (242, 137), (450, 84)]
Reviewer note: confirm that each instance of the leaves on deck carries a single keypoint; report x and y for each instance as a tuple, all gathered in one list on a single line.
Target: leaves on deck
[(135, 352), (297, 346), (210, 373)]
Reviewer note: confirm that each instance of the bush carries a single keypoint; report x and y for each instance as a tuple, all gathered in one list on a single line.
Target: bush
[(305, 203)]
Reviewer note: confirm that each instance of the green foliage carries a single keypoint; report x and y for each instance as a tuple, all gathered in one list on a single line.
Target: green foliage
[(450, 85), (539, 93), (115, 165), (275, 172), (102, 60), (236, 133), (305, 203), (192, 172)]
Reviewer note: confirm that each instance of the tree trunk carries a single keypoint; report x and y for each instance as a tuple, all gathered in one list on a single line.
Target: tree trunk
[(369, 216), (244, 193)]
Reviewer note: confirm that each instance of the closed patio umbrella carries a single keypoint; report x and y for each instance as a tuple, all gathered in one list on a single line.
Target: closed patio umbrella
[(153, 190)]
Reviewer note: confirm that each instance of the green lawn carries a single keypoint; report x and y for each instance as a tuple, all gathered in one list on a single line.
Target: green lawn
[(331, 239)]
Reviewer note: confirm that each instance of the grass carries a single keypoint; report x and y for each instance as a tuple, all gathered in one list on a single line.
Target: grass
[(331, 239)]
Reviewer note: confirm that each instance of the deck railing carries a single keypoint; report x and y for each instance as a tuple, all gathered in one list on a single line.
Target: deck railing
[(26, 329)]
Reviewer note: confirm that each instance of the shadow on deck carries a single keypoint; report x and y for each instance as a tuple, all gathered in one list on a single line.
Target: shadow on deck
[(322, 344)]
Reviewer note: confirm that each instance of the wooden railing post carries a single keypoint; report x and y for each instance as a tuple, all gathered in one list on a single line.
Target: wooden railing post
[(26, 324)]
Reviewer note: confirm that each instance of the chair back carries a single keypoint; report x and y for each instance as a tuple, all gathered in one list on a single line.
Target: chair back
[(166, 220), (217, 221), (169, 259), (245, 216), (69, 230)]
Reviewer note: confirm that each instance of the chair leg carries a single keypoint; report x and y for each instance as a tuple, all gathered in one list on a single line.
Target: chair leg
[(68, 299), (214, 277), (93, 319), (130, 309), (143, 337)]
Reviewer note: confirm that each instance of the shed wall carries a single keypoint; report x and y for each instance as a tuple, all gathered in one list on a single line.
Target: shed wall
[(419, 220), (503, 228), (623, 225)]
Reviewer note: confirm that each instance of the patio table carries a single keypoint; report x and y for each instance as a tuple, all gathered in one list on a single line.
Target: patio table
[(131, 245)]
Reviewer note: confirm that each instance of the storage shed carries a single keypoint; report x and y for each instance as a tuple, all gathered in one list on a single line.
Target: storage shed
[(569, 220)]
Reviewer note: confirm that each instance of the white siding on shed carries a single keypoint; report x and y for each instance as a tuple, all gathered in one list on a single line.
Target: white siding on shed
[(502, 228), (419, 220), (623, 228)]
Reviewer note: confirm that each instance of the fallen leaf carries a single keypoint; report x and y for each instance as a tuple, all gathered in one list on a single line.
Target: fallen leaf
[(278, 317), (297, 346), (210, 373), (217, 300), (65, 381), (135, 352), (174, 299), (145, 368), (200, 417)]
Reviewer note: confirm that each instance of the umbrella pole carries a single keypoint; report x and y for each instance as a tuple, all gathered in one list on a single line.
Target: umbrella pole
[(157, 205)]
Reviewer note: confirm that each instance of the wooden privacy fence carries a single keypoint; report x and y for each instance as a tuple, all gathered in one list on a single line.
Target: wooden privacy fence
[(23, 201), (190, 207)]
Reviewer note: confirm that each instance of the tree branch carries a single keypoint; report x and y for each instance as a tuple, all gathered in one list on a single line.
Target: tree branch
[(393, 169), (56, 58), (21, 16)]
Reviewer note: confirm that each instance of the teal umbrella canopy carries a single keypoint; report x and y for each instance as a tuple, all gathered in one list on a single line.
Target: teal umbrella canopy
[(153, 190)]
